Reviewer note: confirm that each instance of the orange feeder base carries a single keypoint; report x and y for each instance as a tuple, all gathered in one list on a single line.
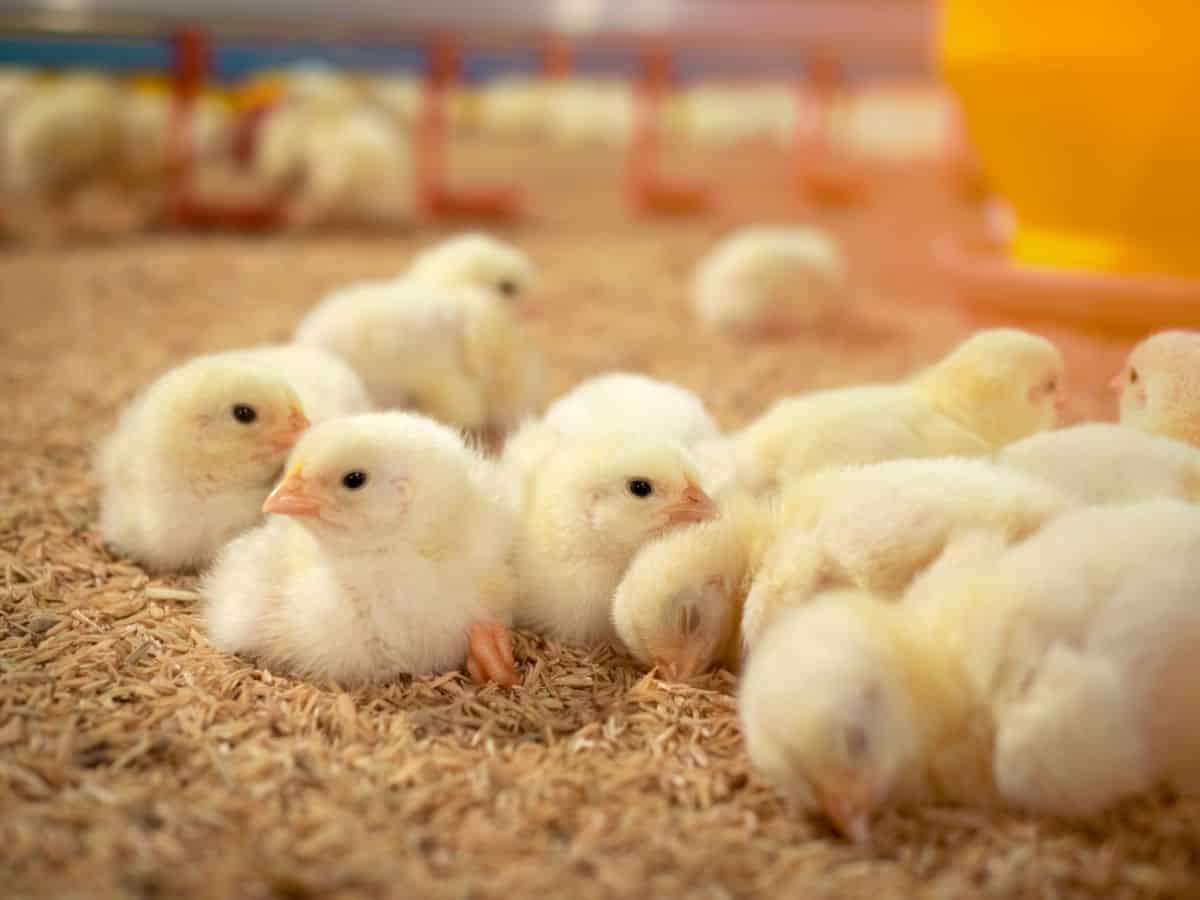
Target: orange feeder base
[(493, 204), (987, 282), (671, 198), (833, 185)]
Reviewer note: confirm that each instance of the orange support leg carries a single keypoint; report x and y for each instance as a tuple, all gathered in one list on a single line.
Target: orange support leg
[(823, 172), (437, 198), (192, 61), (648, 192)]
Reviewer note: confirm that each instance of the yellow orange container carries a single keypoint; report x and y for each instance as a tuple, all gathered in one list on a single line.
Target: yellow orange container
[(1086, 120)]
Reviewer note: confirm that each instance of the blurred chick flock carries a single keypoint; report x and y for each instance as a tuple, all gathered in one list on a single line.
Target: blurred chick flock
[(932, 593), (89, 152)]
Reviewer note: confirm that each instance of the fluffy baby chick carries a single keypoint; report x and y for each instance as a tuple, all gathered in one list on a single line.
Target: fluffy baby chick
[(1099, 463), (514, 104), (876, 527), (996, 387), (1160, 386), (389, 554), (478, 260), (770, 280), (61, 135), (585, 110), (400, 95), (454, 353), (145, 118), (679, 606), (355, 163), (628, 401), (192, 459), (1057, 676), (326, 385), (588, 502)]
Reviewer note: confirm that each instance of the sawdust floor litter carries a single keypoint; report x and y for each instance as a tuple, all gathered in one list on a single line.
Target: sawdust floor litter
[(135, 761)]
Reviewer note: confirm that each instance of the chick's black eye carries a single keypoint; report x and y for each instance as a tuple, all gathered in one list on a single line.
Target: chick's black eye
[(354, 480), (640, 487), (244, 414), (508, 288), (1133, 376)]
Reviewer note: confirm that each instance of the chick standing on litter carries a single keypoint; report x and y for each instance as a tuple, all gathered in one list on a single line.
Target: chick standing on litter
[(765, 280), (679, 605), (192, 459), (994, 388), (1059, 676), (1099, 463), (477, 260), (389, 553), (1160, 386), (457, 354), (876, 527), (587, 503)]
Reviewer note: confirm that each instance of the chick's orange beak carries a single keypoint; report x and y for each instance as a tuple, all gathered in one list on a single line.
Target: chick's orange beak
[(286, 438), (693, 506), (292, 497), (848, 806), (1118, 381)]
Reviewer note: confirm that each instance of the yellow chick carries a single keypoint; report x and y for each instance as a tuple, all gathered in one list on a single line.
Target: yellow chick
[(63, 134), (585, 110), (16, 85), (996, 387), (1057, 676), (587, 503), (679, 606), (192, 459), (326, 385), (876, 527), (1160, 386), (355, 163), (145, 118), (389, 553), (401, 96), (763, 280), (1102, 463), (478, 260), (630, 401), (725, 113), (514, 105), (456, 354)]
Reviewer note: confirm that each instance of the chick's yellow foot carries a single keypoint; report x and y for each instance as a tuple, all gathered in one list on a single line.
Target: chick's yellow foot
[(490, 654)]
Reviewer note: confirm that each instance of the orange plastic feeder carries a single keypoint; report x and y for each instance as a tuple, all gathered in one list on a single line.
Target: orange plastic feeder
[(1079, 119), (436, 197), (648, 191)]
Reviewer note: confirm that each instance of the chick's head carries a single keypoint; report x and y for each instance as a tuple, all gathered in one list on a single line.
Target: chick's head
[(676, 608), (364, 484), (625, 491), (231, 423), (826, 714), (478, 260), (1160, 383), (1004, 384)]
